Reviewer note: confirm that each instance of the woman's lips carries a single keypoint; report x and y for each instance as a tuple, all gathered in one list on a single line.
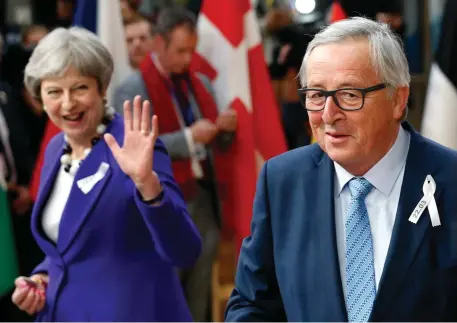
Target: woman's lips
[(74, 117), (74, 120)]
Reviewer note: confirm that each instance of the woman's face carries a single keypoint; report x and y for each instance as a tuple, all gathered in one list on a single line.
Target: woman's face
[(74, 103)]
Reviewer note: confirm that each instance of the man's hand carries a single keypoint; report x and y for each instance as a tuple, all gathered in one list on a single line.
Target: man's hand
[(283, 53), (203, 131), (22, 202), (227, 121)]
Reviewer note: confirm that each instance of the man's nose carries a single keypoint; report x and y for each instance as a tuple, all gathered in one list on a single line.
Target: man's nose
[(331, 110)]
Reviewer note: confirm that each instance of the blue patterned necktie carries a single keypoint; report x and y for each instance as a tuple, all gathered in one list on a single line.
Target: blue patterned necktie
[(360, 276)]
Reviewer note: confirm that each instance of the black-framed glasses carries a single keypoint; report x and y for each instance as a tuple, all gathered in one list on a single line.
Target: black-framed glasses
[(348, 99)]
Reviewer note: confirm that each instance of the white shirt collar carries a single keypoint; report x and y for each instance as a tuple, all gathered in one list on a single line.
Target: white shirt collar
[(384, 173)]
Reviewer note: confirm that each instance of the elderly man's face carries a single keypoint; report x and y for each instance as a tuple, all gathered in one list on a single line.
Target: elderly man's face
[(354, 139)]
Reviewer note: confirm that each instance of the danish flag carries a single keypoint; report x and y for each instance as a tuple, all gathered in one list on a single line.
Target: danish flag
[(230, 53), (337, 12)]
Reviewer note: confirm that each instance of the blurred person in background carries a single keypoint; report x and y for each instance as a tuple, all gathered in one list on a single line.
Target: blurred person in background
[(26, 121), (53, 13), (18, 201), (152, 8), (30, 110), (111, 220), (196, 135), (140, 39), (385, 11), (129, 9), (64, 12), (289, 40)]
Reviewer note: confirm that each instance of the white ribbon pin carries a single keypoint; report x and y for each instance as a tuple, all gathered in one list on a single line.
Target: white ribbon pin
[(428, 200), (86, 184)]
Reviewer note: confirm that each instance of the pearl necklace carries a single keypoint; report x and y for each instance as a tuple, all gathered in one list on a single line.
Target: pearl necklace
[(71, 166)]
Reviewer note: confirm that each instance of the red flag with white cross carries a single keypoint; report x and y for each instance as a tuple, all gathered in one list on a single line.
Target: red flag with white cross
[(230, 53)]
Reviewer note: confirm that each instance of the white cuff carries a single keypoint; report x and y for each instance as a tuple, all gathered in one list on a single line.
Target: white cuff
[(193, 152), (190, 141)]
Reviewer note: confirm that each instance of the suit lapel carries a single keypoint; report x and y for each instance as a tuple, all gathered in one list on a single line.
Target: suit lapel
[(406, 236), (47, 182), (80, 204), (324, 217)]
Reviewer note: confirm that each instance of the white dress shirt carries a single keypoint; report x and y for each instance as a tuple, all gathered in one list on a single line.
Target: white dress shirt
[(52, 212), (382, 202)]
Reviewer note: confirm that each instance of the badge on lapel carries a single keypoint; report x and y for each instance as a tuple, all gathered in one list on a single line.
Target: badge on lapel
[(428, 200), (86, 184)]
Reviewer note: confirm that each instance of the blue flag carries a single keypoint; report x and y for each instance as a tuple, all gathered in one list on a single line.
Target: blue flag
[(86, 14)]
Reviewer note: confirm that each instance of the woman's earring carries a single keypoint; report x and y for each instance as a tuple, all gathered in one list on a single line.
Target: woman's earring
[(44, 108)]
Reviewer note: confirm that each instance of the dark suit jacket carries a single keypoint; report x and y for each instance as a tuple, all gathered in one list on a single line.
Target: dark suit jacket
[(115, 256), (288, 268), (19, 141), (32, 126)]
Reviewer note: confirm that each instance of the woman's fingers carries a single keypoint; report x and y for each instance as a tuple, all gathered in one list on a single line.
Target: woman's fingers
[(20, 281), (41, 277), (145, 121), (41, 302), (27, 298), (137, 113), (19, 295), (155, 127), (139, 119), (33, 307), (127, 116), (28, 301)]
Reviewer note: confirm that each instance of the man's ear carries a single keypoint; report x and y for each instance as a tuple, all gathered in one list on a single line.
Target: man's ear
[(160, 42), (400, 98)]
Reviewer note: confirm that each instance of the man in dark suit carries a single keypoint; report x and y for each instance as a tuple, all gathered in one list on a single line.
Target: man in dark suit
[(27, 113), (16, 163), (337, 230)]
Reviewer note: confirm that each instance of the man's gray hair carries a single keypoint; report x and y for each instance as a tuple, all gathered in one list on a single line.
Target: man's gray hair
[(386, 50), (62, 48)]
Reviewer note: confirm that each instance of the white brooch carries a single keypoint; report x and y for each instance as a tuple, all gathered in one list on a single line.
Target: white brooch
[(428, 200)]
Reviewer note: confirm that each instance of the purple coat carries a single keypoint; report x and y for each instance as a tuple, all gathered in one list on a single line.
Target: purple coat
[(116, 257)]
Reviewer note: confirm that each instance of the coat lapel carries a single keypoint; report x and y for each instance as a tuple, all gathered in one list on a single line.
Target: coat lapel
[(49, 171), (406, 236), (324, 212), (79, 203)]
